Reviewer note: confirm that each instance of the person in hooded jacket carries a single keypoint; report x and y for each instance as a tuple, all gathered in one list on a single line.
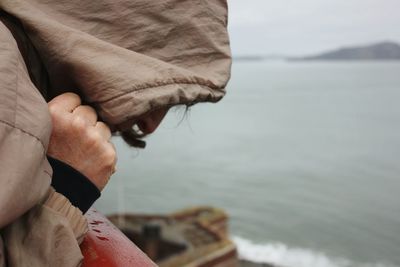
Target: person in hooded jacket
[(103, 67)]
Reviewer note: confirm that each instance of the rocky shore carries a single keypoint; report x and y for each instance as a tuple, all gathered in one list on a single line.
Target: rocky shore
[(244, 263)]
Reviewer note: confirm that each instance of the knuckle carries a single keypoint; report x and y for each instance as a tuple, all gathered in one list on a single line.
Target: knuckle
[(110, 157), (93, 138), (54, 110), (103, 126), (91, 110), (100, 124), (70, 95), (87, 110), (78, 124)]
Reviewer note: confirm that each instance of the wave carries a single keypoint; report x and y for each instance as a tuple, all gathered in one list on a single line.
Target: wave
[(281, 255)]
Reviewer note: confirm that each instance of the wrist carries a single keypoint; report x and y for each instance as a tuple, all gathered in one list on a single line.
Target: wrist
[(75, 186)]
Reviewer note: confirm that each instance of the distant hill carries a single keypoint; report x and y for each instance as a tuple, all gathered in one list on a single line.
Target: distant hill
[(258, 57), (248, 58), (379, 51)]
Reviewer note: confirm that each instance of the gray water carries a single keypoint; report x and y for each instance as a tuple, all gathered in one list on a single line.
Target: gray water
[(303, 156)]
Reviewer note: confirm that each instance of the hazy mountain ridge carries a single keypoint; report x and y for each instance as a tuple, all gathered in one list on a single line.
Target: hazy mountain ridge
[(258, 57), (378, 51)]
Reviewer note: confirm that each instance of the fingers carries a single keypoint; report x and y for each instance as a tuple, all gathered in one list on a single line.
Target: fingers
[(110, 161), (79, 139), (114, 152), (87, 113), (103, 130), (66, 102)]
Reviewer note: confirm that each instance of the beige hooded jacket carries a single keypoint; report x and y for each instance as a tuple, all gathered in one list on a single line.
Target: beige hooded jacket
[(125, 58)]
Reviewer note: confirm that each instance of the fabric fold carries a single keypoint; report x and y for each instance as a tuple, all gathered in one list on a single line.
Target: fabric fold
[(74, 216), (160, 50)]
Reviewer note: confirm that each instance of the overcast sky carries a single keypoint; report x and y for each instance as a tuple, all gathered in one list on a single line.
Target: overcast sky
[(296, 27)]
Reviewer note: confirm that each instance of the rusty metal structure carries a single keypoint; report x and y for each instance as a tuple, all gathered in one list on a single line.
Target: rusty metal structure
[(196, 237)]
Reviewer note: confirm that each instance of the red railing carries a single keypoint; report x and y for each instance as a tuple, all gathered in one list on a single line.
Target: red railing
[(105, 245)]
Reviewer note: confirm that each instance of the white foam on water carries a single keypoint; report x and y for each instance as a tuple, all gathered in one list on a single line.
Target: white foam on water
[(281, 255)]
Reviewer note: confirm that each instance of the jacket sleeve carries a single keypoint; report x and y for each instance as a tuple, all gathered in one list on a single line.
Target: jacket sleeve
[(47, 235), (38, 227)]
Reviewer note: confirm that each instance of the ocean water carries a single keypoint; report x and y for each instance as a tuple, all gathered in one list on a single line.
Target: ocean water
[(305, 158)]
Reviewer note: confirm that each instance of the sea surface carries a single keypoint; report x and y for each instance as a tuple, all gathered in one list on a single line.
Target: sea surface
[(304, 156)]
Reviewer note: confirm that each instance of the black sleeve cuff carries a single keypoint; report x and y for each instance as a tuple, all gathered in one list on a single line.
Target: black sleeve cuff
[(79, 190)]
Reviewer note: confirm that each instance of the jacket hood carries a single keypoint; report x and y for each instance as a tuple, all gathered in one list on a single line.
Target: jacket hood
[(127, 58)]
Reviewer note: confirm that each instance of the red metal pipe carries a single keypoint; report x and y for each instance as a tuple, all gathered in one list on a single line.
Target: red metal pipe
[(105, 245)]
